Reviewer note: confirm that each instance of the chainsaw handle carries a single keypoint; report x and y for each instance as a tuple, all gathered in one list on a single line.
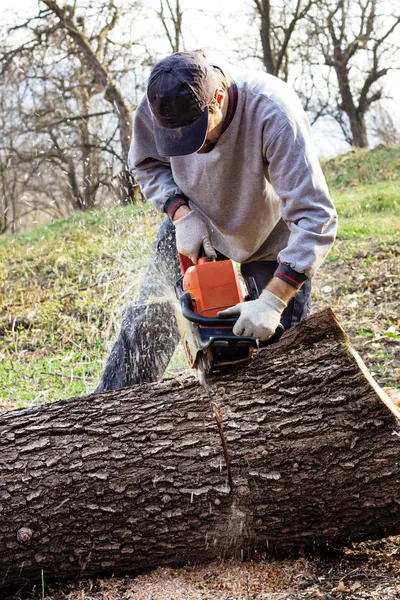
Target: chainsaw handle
[(275, 337), (190, 315)]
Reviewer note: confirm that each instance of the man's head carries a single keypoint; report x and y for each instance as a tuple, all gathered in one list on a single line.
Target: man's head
[(186, 98)]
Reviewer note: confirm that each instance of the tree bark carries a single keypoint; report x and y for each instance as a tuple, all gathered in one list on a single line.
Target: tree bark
[(355, 115), (299, 448), (264, 10)]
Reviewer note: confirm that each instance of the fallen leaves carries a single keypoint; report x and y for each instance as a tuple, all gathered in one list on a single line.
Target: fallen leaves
[(342, 587)]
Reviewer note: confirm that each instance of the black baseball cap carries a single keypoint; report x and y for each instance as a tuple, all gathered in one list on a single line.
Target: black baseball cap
[(180, 88)]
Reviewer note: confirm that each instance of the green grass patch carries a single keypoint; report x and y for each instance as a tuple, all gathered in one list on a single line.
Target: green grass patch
[(116, 219), (363, 332), (369, 216), (391, 334), (365, 166), (31, 381), (364, 187), (63, 289)]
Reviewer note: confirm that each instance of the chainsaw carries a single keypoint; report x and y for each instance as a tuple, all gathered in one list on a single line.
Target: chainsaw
[(203, 290)]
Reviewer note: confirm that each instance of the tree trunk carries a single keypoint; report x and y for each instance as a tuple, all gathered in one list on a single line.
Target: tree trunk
[(356, 117), (299, 448), (359, 131), (264, 9)]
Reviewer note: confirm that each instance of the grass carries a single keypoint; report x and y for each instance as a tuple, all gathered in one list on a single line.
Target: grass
[(63, 287), (363, 167), (364, 186)]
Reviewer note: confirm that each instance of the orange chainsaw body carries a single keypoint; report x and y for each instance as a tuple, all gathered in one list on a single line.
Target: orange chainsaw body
[(203, 291), (213, 286)]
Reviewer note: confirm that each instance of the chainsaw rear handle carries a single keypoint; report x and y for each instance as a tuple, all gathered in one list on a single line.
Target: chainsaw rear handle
[(190, 315)]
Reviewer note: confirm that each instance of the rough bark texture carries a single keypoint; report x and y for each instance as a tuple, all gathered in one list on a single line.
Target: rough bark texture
[(300, 448)]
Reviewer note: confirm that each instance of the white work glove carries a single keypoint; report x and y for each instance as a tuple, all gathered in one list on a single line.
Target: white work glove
[(257, 318), (191, 234)]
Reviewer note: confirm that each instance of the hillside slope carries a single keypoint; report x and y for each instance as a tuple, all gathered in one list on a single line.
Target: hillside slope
[(63, 288)]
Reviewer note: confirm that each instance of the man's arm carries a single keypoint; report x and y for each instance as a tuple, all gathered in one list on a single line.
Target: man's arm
[(307, 207), (151, 171), (154, 175), (309, 213)]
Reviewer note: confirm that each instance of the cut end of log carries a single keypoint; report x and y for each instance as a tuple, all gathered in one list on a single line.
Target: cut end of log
[(322, 325), (387, 399)]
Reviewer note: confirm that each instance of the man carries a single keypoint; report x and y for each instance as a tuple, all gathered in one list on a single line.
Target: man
[(231, 163)]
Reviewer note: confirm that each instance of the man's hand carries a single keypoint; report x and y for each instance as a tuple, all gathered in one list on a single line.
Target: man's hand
[(257, 318), (191, 234)]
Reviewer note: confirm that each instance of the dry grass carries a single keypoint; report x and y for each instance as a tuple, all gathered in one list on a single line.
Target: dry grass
[(364, 292)]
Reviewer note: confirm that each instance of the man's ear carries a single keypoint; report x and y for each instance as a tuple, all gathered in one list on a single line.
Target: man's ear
[(219, 96)]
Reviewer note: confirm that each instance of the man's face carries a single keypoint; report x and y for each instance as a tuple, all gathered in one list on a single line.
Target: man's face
[(215, 122)]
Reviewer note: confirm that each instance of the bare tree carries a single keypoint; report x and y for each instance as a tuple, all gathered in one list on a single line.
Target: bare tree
[(8, 175), (54, 140), (8, 196), (80, 35), (356, 39), (171, 18), (74, 137), (384, 126), (92, 53), (23, 175), (278, 22)]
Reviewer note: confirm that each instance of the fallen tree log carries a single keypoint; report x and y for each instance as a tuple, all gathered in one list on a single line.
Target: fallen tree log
[(299, 448)]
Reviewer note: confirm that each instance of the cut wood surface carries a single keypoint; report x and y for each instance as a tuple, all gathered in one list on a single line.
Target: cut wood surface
[(300, 448)]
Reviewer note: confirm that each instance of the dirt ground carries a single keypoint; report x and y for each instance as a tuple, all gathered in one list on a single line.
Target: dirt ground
[(364, 292), (369, 570)]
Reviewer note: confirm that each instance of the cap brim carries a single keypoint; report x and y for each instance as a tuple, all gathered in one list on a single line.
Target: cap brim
[(181, 140)]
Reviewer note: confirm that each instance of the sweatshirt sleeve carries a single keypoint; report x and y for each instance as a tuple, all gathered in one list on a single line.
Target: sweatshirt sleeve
[(151, 171), (307, 207)]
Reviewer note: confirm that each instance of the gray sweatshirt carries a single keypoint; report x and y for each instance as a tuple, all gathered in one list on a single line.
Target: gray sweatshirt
[(261, 190)]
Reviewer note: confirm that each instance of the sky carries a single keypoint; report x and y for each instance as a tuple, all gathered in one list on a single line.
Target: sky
[(327, 137)]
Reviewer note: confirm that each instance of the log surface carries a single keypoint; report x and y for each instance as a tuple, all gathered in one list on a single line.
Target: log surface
[(300, 448)]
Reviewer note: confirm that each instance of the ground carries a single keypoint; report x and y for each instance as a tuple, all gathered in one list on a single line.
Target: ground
[(364, 292), (368, 570), (62, 291)]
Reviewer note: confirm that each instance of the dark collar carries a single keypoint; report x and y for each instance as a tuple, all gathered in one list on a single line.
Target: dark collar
[(232, 104)]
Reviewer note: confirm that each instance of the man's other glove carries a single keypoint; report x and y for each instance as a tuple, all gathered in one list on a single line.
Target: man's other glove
[(257, 318), (191, 234)]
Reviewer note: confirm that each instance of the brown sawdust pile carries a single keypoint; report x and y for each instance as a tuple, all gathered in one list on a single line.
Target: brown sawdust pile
[(215, 581), (364, 571), (223, 581)]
